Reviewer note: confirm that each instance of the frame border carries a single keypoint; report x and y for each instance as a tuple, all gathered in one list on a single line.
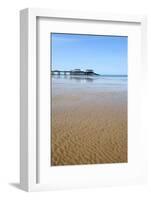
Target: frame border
[(28, 81)]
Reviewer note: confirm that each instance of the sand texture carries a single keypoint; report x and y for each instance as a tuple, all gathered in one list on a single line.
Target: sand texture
[(89, 127)]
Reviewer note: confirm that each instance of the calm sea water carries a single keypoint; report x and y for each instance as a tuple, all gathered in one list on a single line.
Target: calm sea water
[(106, 82)]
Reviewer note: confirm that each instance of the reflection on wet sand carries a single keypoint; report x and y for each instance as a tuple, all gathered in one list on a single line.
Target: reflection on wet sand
[(76, 78)]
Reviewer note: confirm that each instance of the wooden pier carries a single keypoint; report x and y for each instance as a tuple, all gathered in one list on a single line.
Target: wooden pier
[(73, 72)]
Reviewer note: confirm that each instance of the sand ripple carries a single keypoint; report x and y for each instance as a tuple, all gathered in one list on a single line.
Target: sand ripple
[(89, 129)]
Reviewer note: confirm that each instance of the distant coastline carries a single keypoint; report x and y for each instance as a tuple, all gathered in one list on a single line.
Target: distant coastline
[(114, 75)]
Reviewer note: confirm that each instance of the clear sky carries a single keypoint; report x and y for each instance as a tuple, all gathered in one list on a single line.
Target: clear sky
[(103, 54)]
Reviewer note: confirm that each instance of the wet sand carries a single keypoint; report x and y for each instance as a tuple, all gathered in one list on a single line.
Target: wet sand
[(89, 127)]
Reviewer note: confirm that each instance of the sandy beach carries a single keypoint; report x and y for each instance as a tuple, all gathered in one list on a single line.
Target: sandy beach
[(89, 126)]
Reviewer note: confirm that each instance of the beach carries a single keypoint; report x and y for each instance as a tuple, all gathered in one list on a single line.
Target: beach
[(88, 120)]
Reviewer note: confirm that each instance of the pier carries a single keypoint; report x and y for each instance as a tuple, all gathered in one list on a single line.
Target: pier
[(73, 72)]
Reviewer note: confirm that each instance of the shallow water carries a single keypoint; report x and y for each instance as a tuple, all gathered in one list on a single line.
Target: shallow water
[(102, 83)]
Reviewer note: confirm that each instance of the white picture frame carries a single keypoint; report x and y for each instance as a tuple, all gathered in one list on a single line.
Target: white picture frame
[(30, 164)]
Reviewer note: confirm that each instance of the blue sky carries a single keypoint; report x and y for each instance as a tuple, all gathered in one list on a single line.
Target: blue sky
[(103, 54)]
